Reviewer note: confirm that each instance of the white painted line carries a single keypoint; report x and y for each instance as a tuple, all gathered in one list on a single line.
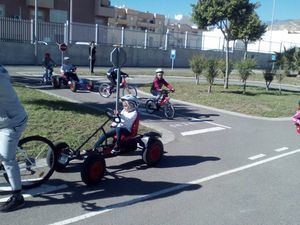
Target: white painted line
[(168, 190), (281, 149), (44, 188), (256, 156), (219, 125), (202, 131)]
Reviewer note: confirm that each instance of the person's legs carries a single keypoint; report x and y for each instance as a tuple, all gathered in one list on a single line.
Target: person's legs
[(9, 139), (93, 65), (102, 138), (119, 132)]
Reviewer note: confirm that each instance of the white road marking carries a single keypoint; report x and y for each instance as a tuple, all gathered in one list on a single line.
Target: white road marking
[(202, 131), (281, 149), (256, 156), (219, 125), (44, 188), (175, 188)]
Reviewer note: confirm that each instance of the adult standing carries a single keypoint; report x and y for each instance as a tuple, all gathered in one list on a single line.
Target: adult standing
[(92, 56), (13, 119)]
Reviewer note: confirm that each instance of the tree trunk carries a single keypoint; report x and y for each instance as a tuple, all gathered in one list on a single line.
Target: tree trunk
[(227, 65), (246, 50), (244, 88), (209, 89), (197, 79)]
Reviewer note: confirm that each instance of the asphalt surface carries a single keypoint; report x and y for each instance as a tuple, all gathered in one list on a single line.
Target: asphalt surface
[(218, 168)]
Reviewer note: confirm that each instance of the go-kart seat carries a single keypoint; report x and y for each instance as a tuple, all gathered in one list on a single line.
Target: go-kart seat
[(134, 129)]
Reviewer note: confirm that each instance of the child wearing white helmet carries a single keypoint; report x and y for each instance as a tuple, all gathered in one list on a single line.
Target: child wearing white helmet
[(158, 83), (68, 69), (127, 117)]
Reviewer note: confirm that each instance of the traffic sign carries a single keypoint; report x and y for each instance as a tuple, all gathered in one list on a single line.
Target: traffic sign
[(118, 57), (173, 54), (63, 47)]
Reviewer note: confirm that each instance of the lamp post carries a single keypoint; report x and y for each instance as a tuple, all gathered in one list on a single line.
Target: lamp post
[(272, 21), (35, 29), (71, 20)]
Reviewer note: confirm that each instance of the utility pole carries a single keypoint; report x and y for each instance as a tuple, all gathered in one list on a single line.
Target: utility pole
[(35, 30), (272, 21)]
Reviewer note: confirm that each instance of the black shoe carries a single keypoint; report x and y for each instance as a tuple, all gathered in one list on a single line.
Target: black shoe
[(16, 201)]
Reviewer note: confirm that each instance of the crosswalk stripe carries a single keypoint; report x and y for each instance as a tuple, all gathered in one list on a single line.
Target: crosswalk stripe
[(202, 131)]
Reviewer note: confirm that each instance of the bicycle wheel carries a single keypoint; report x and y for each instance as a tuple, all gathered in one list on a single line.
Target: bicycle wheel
[(169, 111), (130, 90), (36, 166), (150, 106), (104, 90)]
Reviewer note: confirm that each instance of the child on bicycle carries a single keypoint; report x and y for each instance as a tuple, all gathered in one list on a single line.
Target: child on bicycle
[(112, 75), (68, 69), (48, 64), (13, 119), (127, 118), (158, 83), (296, 116)]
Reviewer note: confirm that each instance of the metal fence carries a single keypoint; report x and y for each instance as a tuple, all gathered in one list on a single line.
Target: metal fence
[(16, 30)]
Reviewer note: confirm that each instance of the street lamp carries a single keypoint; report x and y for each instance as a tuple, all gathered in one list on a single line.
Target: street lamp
[(272, 21), (71, 20), (35, 29)]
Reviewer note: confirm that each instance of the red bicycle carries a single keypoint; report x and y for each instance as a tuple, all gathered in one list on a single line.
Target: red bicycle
[(153, 105)]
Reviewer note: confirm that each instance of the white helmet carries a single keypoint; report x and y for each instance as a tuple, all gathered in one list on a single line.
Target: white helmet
[(132, 100), (66, 58), (159, 70)]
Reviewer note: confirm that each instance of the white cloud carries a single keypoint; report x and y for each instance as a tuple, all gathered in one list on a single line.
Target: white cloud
[(178, 17)]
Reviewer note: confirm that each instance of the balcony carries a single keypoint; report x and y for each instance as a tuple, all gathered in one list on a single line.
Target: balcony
[(146, 25), (105, 11), (42, 3)]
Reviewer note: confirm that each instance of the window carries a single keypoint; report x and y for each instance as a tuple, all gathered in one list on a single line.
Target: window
[(40, 15), (2, 10), (58, 16)]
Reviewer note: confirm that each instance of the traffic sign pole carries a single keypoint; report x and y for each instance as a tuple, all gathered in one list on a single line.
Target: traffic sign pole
[(118, 59), (118, 78), (62, 47)]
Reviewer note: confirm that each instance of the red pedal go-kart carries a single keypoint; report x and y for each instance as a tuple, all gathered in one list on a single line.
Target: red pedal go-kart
[(94, 165), (73, 83)]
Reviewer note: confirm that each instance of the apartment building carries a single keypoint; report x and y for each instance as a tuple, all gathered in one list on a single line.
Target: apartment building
[(133, 19), (88, 11)]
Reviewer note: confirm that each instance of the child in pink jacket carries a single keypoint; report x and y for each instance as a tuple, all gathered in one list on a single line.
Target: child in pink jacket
[(296, 117)]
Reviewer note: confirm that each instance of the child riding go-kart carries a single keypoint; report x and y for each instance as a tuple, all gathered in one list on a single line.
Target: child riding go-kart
[(69, 78), (94, 165)]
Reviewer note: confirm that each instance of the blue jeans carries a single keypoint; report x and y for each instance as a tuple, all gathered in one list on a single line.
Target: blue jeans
[(111, 133), (9, 139)]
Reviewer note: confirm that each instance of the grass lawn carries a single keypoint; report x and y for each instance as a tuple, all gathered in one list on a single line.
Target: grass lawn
[(256, 101), (257, 76), (58, 119)]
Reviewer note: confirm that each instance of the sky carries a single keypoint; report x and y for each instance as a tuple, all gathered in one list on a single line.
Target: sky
[(284, 9)]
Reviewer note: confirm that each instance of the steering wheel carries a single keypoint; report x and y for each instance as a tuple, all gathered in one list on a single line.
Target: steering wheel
[(111, 114)]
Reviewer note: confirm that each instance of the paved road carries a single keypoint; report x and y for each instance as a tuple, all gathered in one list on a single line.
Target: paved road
[(219, 168)]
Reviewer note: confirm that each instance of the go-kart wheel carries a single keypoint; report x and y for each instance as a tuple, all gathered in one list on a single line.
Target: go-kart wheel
[(73, 86), (93, 169), (55, 82), (62, 160), (153, 152), (298, 128), (150, 106), (90, 86)]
